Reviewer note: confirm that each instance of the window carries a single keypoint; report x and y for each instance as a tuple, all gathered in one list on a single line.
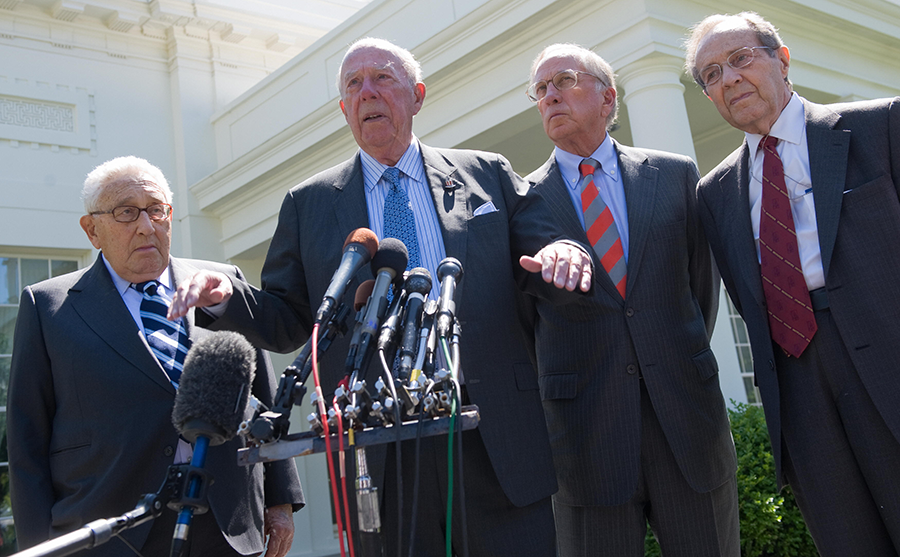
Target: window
[(745, 359), (15, 274)]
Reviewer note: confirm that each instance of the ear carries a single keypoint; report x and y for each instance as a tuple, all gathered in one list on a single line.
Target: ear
[(419, 94), (609, 101), (89, 227), (343, 108), (784, 56)]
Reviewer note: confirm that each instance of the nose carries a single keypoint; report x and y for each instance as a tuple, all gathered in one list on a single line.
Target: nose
[(552, 94), (145, 224), (730, 75), (368, 89)]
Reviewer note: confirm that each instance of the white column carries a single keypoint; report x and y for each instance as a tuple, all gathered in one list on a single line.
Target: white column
[(654, 96)]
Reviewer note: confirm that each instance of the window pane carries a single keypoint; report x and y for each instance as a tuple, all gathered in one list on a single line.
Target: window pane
[(740, 330), (4, 387), (59, 267), (7, 326), (34, 270), (746, 359), (751, 390), (9, 281)]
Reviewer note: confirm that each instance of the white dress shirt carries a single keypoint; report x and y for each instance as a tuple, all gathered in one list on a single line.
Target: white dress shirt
[(790, 129)]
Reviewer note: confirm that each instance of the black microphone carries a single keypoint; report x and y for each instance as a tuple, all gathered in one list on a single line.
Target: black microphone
[(363, 293), (418, 285), (210, 405), (389, 262), (449, 273), (359, 247)]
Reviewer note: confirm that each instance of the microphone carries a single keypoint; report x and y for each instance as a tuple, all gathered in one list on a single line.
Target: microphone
[(449, 273), (359, 248), (389, 261), (210, 404), (363, 292), (418, 285)]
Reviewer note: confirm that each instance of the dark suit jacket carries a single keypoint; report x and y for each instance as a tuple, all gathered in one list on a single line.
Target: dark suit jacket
[(89, 418), (589, 352), (854, 159), (317, 216)]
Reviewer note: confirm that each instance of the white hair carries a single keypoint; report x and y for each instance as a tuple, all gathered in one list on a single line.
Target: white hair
[(116, 169)]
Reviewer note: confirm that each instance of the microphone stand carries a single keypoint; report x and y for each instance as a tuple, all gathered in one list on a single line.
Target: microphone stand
[(174, 493)]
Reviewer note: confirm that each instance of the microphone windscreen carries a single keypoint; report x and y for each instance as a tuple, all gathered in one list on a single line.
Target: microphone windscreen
[(362, 294), (391, 254), (214, 387), (365, 237)]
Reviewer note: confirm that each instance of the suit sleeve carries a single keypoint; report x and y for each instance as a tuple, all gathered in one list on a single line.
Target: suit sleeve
[(30, 410), (704, 275), (894, 138), (282, 483), (283, 300)]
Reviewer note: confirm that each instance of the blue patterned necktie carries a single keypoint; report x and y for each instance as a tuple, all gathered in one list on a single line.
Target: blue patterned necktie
[(168, 340), (399, 221)]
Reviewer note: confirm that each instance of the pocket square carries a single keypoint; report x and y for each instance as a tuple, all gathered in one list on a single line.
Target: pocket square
[(485, 209)]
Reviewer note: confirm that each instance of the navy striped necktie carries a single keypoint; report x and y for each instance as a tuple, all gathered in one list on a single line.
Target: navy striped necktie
[(399, 220), (167, 339)]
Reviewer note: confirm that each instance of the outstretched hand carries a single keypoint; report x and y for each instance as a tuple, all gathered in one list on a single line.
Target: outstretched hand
[(203, 289), (564, 264)]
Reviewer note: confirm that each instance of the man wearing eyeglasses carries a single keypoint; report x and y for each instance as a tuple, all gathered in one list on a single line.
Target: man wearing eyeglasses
[(804, 222), (92, 386), (629, 384)]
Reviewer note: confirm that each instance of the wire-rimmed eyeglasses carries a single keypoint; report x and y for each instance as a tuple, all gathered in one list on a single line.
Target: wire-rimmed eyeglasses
[(565, 79), (129, 213), (740, 58)]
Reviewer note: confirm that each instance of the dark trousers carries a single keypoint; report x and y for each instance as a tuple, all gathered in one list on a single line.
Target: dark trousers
[(205, 539), (686, 523), (840, 458), (495, 526)]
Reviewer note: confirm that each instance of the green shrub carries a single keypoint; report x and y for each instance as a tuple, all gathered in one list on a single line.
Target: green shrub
[(771, 524)]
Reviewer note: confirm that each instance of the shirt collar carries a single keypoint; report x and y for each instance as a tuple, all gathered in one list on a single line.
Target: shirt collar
[(788, 127), (409, 164), (605, 155), (122, 285)]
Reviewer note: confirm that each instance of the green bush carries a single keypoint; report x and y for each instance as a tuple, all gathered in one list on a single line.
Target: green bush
[(771, 524)]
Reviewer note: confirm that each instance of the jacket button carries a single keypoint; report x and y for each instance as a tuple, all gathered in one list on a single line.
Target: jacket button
[(169, 451), (771, 364), (631, 369), (629, 312)]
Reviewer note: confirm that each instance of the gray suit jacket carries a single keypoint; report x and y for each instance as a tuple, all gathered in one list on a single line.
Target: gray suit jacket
[(320, 213), (89, 418), (854, 158), (589, 352)]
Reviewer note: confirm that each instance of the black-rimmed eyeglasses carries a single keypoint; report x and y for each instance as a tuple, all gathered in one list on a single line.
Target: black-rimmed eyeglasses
[(740, 58), (129, 213)]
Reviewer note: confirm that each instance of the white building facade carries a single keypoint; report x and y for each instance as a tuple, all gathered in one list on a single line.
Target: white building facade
[(236, 102)]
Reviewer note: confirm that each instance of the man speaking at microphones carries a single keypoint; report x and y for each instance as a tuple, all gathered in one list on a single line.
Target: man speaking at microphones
[(440, 203), (93, 378)]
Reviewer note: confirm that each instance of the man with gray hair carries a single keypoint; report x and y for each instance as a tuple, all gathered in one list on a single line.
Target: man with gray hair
[(92, 385), (466, 204), (629, 384), (804, 222)]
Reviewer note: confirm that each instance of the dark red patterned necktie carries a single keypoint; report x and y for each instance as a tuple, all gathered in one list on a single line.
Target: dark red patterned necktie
[(601, 229), (791, 319)]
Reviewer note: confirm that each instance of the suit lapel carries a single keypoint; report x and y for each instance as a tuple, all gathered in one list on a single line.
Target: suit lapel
[(735, 183), (828, 151), (349, 201), (450, 196), (95, 298), (639, 181)]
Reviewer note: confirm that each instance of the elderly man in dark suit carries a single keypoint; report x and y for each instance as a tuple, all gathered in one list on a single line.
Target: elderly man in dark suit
[(466, 204), (629, 384), (91, 392), (804, 222)]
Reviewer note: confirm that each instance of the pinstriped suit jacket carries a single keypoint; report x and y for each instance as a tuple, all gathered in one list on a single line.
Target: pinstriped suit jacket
[(854, 160), (317, 215), (589, 351)]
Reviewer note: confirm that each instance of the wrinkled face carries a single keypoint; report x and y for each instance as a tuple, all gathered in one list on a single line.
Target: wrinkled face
[(379, 103), (139, 250), (749, 98), (574, 119)]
